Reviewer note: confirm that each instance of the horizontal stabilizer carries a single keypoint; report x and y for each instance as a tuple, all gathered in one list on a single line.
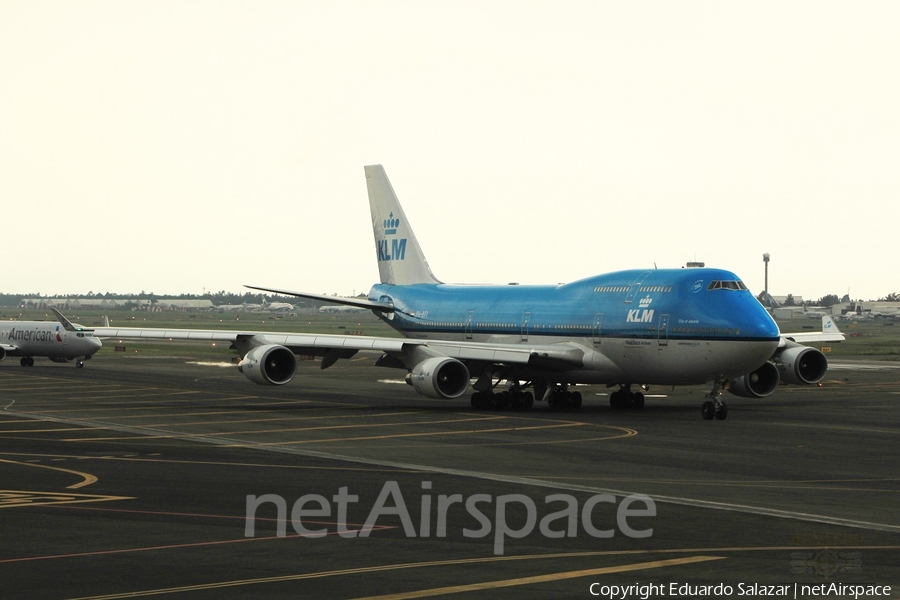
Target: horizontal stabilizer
[(357, 302)]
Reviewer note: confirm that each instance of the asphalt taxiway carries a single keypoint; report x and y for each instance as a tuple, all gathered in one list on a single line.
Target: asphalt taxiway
[(132, 477)]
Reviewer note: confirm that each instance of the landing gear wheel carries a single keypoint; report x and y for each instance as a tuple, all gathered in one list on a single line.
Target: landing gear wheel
[(527, 400), (502, 401), (615, 400), (79, 364), (637, 400), (722, 413), (708, 410), (576, 399), (27, 361)]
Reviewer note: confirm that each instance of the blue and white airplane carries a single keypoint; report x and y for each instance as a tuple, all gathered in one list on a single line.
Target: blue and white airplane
[(627, 330)]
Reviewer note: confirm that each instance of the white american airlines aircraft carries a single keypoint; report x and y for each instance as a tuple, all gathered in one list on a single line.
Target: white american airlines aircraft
[(624, 329), (60, 341)]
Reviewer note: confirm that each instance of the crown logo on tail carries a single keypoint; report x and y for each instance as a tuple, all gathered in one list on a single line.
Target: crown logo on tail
[(390, 225)]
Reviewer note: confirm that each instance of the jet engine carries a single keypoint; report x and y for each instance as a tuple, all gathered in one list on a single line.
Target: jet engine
[(269, 365), (2, 353), (757, 384), (440, 377), (801, 364), (61, 359)]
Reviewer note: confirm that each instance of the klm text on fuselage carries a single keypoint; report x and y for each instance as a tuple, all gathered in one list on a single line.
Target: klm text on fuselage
[(639, 316)]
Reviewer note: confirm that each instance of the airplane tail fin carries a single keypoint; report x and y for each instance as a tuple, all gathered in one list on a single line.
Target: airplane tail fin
[(67, 325), (400, 258), (829, 326)]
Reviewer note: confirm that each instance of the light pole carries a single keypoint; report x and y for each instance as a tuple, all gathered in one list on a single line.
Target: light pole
[(766, 261)]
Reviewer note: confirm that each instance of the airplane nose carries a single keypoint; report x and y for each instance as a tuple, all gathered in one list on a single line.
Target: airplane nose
[(758, 323)]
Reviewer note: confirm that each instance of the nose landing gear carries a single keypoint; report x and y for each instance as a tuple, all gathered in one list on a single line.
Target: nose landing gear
[(714, 407)]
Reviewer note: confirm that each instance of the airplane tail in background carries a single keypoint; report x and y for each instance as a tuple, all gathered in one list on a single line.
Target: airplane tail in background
[(829, 333), (829, 326), (400, 258)]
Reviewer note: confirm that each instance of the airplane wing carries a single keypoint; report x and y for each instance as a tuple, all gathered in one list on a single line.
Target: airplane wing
[(829, 333), (550, 356)]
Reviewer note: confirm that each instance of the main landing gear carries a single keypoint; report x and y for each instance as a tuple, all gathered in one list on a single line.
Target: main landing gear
[(625, 398), (516, 398), (26, 361), (513, 399), (714, 407), (561, 399)]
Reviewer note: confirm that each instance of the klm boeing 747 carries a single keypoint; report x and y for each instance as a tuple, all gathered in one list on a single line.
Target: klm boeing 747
[(60, 341), (625, 330)]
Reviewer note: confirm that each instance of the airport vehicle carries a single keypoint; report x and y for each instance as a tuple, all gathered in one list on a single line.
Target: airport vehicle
[(624, 330), (61, 341)]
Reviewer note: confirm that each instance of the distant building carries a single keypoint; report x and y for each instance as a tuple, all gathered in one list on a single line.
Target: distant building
[(184, 304), (841, 309), (781, 300), (64, 304), (88, 303), (866, 309)]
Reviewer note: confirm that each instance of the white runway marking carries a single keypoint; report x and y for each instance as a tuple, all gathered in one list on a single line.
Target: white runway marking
[(210, 364), (863, 365)]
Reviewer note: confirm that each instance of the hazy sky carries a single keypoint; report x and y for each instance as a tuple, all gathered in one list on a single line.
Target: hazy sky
[(180, 146)]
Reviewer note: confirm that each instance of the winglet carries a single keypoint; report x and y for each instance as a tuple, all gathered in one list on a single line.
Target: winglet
[(400, 258)]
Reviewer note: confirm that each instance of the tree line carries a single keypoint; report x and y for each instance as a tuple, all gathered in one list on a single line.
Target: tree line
[(217, 298), (832, 299)]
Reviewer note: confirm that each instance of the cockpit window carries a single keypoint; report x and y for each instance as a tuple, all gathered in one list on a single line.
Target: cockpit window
[(726, 285)]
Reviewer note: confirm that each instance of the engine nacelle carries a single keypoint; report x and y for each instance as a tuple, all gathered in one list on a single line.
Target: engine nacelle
[(801, 365), (2, 353), (269, 365), (440, 377), (61, 359), (756, 384)]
